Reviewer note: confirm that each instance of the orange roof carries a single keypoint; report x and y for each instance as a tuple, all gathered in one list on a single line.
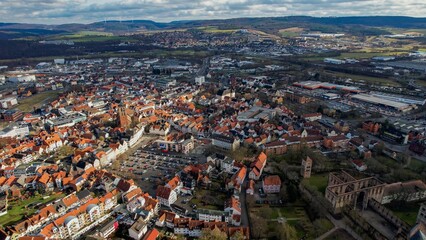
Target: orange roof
[(44, 178), (70, 199), (262, 157), (174, 182), (152, 235), (272, 180)]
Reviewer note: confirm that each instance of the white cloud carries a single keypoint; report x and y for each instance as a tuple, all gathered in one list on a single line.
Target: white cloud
[(66, 11)]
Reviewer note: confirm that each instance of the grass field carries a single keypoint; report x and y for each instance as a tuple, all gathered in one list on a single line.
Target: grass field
[(290, 32), (366, 79), (364, 55), (404, 30), (421, 83), (416, 165), (20, 209), (206, 199), (288, 212), (36, 100), (320, 181), (91, 36), (406, 211), (213, 29)]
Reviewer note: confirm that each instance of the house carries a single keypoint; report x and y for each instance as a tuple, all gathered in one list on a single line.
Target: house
[(107, 229), (310, 117), (271, 184), (209, 215), (359, 165), (166, 196), (233, 207), (237, 180), (225, 142), (152, 234), (250, 187), (275, 148), (138, 229), (334, 142), (257, 166)]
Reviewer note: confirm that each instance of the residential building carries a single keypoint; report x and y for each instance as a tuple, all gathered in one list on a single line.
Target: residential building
[(138, 229), (271, 184), (225, 142), (257, 166)]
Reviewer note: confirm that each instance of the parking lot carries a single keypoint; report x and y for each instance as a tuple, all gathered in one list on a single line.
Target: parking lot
[(150, 168)]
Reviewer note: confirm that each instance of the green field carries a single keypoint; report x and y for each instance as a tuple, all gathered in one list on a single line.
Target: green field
[(406, 211), (20, 209), (421, 83), (416, 165), (364, 55), (213, 29), (320, 181), (91, 36), (36, 100), (366, 79), (288, 212)]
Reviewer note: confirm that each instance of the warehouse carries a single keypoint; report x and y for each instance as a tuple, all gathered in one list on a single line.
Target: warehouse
[(403, 107), (311, 85)]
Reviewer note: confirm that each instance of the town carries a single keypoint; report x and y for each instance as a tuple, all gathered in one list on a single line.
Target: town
[(247, 135)]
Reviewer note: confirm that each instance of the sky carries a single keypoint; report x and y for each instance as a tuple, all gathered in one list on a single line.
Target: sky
[(87, 11)]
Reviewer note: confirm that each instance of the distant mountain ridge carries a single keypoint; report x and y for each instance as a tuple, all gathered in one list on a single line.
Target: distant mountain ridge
[(268, 24)]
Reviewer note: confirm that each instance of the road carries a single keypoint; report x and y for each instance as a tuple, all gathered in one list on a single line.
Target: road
[(244, 211)]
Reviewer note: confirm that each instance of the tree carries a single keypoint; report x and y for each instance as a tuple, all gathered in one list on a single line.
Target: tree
[(65, 150), (292, 192), (260, 226), (215, 234), (287, 232), (238, 236)]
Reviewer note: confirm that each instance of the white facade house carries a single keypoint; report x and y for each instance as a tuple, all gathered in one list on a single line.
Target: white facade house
[(200, 80), (138, 229), (22, 78), (8, 102), (208, 215)]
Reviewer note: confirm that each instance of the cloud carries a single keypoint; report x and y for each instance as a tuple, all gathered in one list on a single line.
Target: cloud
[(85, 11)]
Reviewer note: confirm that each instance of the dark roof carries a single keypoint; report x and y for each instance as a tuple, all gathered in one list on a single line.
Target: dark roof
[(223, 138), (83, 194)]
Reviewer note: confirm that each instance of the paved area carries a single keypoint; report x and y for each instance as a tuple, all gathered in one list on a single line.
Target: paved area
[(379, 223)]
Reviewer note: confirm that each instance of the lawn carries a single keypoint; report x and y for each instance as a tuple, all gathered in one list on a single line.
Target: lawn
[(213, 29), (421, 83), (405, 211), (36, 100), (19, 209), (366, 79), (363, 55), (290, 32), (416, 165), (209, 200), (288, 212), (320, 181)]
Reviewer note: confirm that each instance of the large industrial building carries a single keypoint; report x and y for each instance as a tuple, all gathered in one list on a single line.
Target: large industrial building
[(311, 85), (399, 106)]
